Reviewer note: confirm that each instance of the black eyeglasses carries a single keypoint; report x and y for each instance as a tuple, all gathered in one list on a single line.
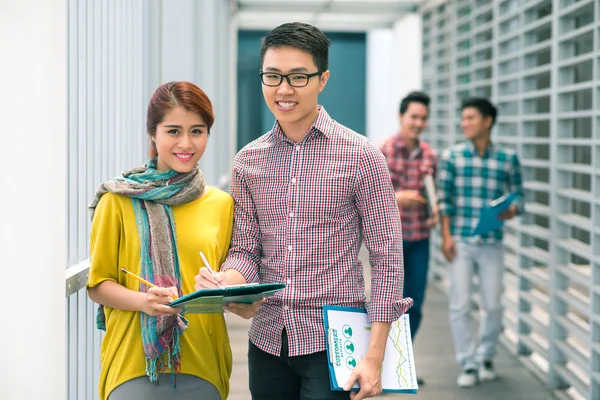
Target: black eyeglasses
[(295, 79)]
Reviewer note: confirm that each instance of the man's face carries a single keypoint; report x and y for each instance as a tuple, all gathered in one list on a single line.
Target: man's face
[(292, 105), (414, 120), (473, 124)]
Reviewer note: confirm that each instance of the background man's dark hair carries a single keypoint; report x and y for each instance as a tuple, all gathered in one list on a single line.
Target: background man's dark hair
[(414, 97), (301, 36), (484, 106)]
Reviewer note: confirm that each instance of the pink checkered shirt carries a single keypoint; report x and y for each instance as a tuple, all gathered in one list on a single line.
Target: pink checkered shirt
[(407, 170), (302, 211)]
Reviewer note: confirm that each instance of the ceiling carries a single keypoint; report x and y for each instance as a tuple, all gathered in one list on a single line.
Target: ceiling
[(329, 15)]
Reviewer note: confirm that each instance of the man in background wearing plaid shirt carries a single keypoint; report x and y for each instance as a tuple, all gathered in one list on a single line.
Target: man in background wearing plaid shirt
[(307, 194), (410, 160), (472, 174)]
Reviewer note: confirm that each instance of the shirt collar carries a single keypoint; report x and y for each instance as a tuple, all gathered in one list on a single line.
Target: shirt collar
[(401, 145), (322, 125), (489, 150)]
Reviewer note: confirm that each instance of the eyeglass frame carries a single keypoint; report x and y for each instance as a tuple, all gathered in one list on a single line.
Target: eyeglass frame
[(286, 76)]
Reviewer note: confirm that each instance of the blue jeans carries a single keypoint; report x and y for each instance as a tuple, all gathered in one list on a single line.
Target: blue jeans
[(486, 261), (290, 378), (416, 265)]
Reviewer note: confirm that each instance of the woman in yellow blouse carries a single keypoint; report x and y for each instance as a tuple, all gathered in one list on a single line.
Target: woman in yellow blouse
[(153, 221)]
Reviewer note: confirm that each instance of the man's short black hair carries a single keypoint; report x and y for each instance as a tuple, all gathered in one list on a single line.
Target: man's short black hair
[(301, 36), (484, 106), (414, 97)]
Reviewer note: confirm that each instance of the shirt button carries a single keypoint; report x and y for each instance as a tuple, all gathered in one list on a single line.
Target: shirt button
[(297, 148), (291, 215), (293, 180), (289, 281), (286, 308), (290, 247)]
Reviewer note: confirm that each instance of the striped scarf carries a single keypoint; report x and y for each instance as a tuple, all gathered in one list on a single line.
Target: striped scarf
[(152, 193)]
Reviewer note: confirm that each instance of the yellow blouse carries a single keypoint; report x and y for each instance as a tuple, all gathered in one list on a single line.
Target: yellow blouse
[(202, 225)]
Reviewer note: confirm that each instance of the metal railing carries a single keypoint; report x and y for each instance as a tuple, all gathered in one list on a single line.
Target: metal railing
[(83, 340)]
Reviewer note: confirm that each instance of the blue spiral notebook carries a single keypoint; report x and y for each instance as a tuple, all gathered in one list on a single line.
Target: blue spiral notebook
[(211, 301), (348, 334), (489, 216)]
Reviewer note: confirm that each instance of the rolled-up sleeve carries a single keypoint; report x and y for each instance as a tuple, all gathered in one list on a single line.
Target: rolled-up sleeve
[(245, 251), (446, 184), (382, 233)]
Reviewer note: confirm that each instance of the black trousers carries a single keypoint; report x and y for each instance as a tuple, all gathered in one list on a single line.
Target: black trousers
[(290, 378)]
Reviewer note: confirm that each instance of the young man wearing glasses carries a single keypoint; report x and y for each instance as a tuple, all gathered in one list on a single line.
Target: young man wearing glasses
[(306, 195)]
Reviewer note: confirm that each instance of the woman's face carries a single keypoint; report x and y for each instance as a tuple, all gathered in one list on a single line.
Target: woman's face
[(180, 140)]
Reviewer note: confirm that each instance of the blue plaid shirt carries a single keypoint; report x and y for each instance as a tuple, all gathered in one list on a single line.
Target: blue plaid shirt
[(468, 181)]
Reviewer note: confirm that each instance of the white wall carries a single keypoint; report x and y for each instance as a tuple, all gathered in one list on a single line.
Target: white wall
[(117, 54), (393, 70), (32, 213), (106, 111), (382, 117), (407, 55), (193, 39)]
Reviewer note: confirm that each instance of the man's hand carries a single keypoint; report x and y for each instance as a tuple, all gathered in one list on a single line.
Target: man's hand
[(245, 311), (449, 248), (368, 375), (434, 219), (409, 199), (206, 280), (509, 214)]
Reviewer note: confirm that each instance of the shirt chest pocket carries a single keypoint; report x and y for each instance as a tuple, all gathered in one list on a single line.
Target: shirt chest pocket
[(493, 176), (413, 176), (329, 195), (492, 173)]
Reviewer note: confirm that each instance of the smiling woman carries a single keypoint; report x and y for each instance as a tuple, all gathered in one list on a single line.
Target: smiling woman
[(180, 140), (179, 101), (153, 221)]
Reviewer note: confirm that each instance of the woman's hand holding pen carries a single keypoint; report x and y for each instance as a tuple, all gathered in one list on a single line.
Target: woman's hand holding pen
[(156, 300)]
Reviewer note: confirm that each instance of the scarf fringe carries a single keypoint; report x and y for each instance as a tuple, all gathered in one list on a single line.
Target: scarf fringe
[(168, 360), (153, 193)]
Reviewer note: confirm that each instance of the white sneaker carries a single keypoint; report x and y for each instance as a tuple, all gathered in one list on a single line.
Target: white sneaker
[(467, 378), (486, 371)]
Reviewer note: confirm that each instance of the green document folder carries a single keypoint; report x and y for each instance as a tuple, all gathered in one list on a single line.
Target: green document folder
[(211, 301)]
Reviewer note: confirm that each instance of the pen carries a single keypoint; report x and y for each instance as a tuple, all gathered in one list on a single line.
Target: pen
[(145, 282), (214, 274)]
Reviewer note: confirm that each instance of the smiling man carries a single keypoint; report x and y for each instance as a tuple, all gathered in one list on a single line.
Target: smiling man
[(307, 194), (472, 174), (410, 161)]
